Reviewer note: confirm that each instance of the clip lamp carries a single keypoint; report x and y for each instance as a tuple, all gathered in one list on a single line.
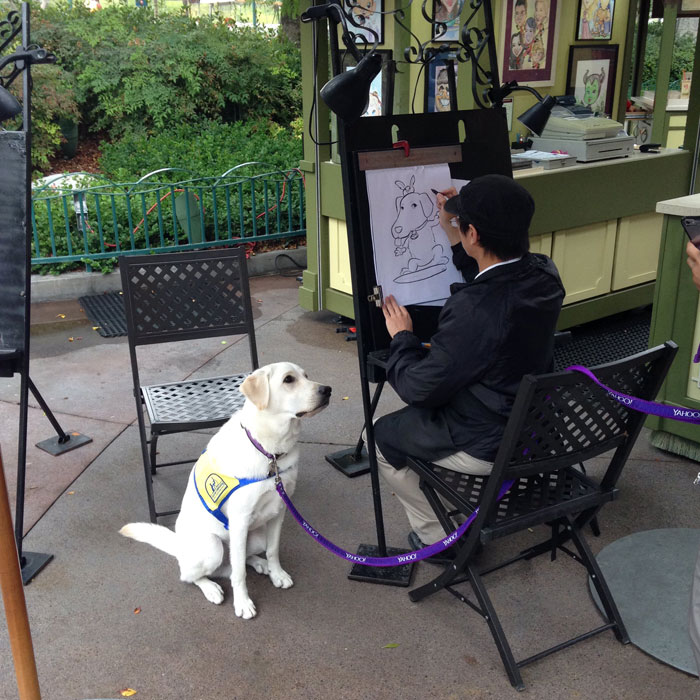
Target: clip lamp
[(9, 107), (534, 118)]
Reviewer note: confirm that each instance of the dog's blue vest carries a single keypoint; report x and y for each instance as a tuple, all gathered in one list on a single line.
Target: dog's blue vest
[(213, 488)]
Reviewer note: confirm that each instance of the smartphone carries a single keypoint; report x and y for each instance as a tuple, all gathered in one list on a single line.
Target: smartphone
[(691, 226)]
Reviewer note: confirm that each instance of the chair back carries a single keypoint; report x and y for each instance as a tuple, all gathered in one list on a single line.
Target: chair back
[(184, 296), (562, 419)]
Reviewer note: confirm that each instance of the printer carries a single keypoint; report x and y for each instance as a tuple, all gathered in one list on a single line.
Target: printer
[(574, 129)]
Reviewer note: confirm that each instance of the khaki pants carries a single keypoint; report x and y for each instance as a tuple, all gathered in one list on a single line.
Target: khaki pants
[(404, 483)]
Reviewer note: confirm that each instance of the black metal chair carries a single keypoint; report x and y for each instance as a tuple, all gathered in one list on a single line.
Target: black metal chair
[(558, 421), (185, 296)]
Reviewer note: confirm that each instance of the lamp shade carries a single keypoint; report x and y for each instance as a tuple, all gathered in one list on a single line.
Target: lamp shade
[(347, 94), (9, 107), (537, 116)]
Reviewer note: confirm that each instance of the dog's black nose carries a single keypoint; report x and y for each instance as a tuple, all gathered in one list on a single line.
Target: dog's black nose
[(324, 390)]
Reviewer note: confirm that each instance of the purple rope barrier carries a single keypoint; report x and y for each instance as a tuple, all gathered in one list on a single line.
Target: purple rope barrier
[(418, 555)]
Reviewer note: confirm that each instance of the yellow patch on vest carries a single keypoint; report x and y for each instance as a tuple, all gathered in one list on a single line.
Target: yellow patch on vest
[(212, 486)]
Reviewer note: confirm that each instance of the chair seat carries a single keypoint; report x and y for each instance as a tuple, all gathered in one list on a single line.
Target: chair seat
[(190, 405), (532, 500)]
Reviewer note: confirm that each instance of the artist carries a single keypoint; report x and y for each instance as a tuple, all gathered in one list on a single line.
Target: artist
[(492, 330)]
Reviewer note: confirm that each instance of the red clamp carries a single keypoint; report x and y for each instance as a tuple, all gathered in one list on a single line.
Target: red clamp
[(404, 145)]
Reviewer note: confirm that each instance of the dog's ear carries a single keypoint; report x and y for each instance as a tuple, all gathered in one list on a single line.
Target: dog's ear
[(256, 388), (426, 204)]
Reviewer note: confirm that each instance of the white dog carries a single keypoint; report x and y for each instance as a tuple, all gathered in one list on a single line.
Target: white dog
[(231, 492)]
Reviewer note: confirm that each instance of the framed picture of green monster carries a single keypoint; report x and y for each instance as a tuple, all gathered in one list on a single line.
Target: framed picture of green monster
[(591, 76)]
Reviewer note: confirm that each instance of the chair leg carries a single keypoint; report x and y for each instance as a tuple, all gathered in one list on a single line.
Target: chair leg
[(153, 452), (499, 637), (147, 469), (601, 585)]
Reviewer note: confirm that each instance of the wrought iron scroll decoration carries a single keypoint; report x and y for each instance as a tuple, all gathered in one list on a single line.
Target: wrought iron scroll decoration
[(10, 28), (476, 45)]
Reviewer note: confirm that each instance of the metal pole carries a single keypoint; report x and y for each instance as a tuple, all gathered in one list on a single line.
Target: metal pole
[(15, 604)]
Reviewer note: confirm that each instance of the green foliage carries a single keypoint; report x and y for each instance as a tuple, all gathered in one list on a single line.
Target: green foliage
[(683, 54), (135, 72), (53, 100), (206, 149)]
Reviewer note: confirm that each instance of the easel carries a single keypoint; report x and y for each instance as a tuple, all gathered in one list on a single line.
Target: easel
[(15, 278), (473, 143)]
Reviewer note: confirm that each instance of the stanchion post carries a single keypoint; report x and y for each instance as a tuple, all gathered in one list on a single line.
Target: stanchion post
[(15, 605)]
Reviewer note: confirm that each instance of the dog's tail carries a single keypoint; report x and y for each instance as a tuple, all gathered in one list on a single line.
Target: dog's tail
[(156, 535)]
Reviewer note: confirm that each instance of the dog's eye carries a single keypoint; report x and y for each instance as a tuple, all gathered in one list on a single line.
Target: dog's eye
[(289, 379)]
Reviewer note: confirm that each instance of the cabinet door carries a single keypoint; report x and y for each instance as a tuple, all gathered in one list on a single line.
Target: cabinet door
[(584, 257), (637, 250), (339, 256)]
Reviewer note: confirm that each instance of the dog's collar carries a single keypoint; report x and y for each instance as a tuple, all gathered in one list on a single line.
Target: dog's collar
[(273, 458)]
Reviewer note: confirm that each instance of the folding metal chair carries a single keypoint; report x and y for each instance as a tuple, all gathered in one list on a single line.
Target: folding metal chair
[(185, 296), (558, 421)]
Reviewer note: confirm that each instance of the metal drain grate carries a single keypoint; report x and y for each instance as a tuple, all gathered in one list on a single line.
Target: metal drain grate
[(106, 311)]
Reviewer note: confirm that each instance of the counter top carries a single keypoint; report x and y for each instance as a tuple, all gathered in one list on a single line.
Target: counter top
[(680, 206), (635, 157)]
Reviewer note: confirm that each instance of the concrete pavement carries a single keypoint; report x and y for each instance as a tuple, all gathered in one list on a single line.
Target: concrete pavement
[(109, 614)]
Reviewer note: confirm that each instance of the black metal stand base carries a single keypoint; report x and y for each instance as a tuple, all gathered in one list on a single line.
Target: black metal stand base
[(388, 575), (56, 448), (347, 462), (32, 564)]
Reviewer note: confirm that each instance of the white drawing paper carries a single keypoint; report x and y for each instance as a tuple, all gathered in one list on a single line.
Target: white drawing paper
[(412, 255)]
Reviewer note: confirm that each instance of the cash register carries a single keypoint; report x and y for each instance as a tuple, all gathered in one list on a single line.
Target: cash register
[(574, 129)]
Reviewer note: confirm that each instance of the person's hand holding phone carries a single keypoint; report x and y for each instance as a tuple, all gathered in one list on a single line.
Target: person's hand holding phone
[(694, 263)]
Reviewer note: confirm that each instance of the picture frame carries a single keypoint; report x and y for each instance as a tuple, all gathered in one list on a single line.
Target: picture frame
[(365, 17), (594, 20), (529, 49), (688, 8), (381, 91), (437, 91), (448, 13), (591, 75)]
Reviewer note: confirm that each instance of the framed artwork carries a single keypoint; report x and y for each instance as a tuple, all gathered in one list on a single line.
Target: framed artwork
[(528, 54), (591, 76), (688, 8), (366, 20), (437, 84), (448, 13), (381, 92), (594, 19)]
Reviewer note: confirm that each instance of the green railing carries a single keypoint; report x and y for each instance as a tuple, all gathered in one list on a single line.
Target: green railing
[(84, 217)]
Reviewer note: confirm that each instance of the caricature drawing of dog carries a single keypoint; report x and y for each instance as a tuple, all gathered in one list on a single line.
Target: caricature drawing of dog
[(416, 217), (231, 495)]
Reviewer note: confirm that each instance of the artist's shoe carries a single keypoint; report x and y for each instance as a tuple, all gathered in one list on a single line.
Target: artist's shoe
[(441, 559)]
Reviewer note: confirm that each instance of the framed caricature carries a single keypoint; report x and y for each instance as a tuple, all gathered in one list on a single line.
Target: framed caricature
[(437, 84), (381, 92), (594, 19), (447, 12), (366, 20), (528, 53), (591, 76)]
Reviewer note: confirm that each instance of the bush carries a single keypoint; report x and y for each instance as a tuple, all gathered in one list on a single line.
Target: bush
[(206, 149), (135, 72)]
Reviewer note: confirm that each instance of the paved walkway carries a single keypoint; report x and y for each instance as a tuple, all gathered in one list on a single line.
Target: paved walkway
[(109, 614)]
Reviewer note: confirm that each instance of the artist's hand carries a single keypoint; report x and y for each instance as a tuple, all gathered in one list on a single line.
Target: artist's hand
[(396, 317), (694, 262), (445, 218)]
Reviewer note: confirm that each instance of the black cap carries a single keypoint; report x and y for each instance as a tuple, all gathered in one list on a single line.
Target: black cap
[(495, 205)]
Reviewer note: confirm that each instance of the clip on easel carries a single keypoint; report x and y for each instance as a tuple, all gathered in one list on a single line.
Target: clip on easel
[(472, 143)]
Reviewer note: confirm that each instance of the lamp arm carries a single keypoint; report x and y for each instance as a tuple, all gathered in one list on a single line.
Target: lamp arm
[(498, 94), (332, 11)]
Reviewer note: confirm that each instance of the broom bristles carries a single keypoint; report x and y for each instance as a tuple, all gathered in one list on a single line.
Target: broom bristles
[(675, 444)]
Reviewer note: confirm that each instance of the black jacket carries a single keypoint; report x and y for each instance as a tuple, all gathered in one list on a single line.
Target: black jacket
[(491, 332)]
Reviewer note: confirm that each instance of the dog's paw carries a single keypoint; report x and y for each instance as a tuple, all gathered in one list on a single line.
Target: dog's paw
[(281, 579), (212, 591), (259, 564), (244, 608)]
